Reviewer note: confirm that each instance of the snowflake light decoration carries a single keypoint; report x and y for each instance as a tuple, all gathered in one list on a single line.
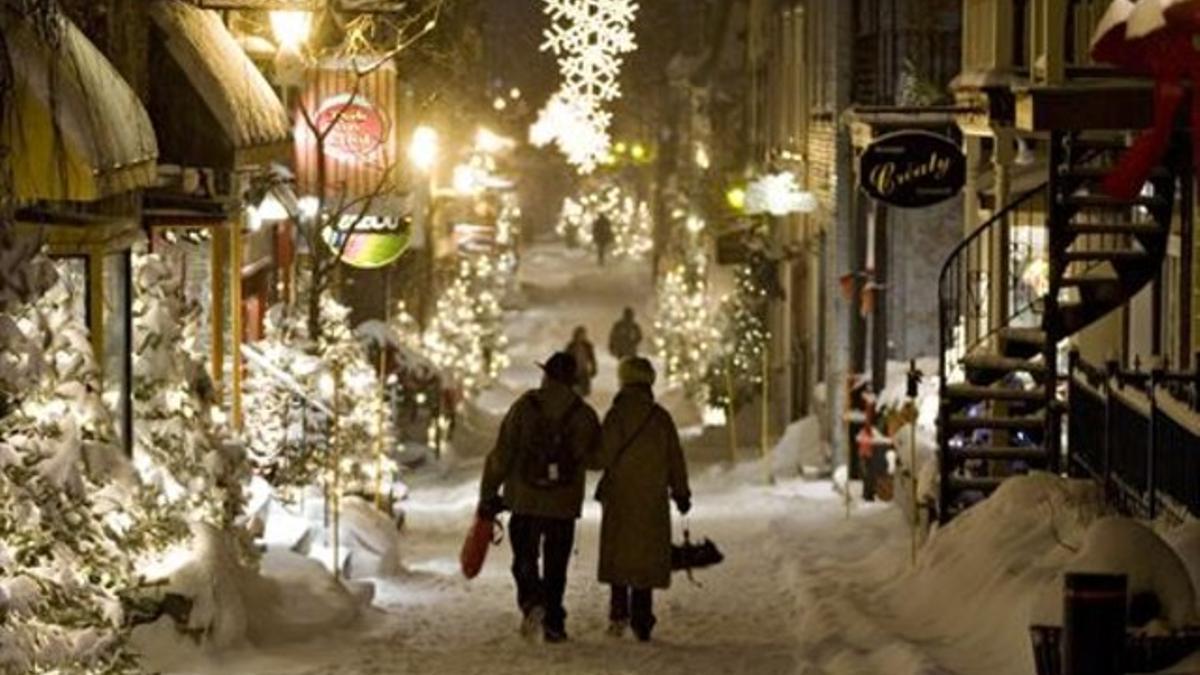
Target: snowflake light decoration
[(589, 39)]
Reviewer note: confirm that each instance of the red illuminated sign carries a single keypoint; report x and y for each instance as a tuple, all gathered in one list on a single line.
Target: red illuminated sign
[(357, 129)]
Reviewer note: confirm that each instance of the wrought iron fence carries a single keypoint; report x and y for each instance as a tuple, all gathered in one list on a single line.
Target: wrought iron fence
[(1138, 433)]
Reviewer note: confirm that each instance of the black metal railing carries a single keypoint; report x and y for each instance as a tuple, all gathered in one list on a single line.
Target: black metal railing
[(1138, 433), (966, 316)]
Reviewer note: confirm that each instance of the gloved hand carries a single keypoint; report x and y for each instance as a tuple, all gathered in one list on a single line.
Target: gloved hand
[(684, 504), (491, 507)]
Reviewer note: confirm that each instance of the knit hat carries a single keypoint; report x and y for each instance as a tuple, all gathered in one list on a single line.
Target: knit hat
[(635, 370)]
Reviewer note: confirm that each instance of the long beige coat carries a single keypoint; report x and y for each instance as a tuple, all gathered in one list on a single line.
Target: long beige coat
[(635, 532)]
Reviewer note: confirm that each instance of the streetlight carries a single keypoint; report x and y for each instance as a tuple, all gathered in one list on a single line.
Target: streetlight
[(291, 28), (423, 149), (736, 198)]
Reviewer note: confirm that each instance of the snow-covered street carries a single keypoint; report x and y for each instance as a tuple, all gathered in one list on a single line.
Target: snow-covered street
[(809, 586), (737, 618)]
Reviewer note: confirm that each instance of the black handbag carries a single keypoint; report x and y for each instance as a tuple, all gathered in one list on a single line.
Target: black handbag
[(688, 556)]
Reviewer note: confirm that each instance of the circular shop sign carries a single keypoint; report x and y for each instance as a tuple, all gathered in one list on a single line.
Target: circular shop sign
[(358, 128)]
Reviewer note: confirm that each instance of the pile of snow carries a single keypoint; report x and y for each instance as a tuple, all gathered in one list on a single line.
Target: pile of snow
[(801, 451), (289, 598), (979, 583), (1152, 567), (368, 539)]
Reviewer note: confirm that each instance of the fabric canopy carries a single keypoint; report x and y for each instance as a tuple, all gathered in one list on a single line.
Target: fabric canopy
[(231, 87), (75, 130)]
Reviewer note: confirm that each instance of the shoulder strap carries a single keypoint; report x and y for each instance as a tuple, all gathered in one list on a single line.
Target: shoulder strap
[(633, 437)]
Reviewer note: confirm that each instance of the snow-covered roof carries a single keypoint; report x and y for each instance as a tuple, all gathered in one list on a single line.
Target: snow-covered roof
[(76, 130), (226, 79)]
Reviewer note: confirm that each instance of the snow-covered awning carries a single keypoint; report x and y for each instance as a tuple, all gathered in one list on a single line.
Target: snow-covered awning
[(75, 130), (234, 95)]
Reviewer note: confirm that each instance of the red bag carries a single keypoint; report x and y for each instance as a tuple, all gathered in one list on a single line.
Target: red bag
[(484, 532)]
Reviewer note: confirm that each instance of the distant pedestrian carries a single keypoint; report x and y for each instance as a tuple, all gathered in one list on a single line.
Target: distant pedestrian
[(602, 236), (625, 336), (644, 468), (547, 440), (585, 360)]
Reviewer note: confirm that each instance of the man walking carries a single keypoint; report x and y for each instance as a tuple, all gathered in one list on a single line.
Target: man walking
[(602, 236), (547, 440), (625, 336)]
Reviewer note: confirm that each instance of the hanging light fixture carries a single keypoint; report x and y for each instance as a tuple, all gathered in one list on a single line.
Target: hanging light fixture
[(291, 28)]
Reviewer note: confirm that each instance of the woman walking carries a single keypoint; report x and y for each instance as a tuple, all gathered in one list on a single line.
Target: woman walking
[(644, 470)]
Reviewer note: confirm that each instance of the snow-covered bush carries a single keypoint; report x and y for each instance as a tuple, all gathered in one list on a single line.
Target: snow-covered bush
[(177, 447), (74, 524), (309, 405)]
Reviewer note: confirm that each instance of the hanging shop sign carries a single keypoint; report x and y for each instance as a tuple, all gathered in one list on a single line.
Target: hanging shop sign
[(353, 111), (371, 241), (912, 169), (356, 128)]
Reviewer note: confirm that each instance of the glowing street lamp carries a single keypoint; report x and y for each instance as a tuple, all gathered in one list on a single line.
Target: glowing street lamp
[(638, 152), (423, 149), (291, 28), (736, 198)]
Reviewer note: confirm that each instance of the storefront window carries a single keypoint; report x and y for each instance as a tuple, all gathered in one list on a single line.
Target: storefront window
[(117, 346)]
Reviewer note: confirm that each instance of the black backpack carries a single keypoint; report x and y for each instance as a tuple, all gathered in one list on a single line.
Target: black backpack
[(547, 459)]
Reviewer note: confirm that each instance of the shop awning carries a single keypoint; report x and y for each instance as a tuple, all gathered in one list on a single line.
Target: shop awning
[(211, 105), (75, 131)]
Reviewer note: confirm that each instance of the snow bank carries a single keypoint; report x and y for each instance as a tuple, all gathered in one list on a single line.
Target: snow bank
[(980, 582), (368, 539), (289, 598), (296, 598), (966, 605), (801, 450), (1124, 546)]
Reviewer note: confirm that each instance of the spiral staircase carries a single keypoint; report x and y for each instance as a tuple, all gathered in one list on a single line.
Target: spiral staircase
[(1000, 413)]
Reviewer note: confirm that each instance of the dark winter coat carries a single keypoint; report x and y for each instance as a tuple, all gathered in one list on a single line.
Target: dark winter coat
[(585, 362), (635, 531), (502, 470), (624, 339), (602, 231)]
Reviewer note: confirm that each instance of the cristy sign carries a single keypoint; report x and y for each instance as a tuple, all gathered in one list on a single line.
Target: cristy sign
[(912, 169)]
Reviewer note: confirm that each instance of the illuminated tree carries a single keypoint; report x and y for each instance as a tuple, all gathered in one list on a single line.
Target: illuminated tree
[(684, 327), (465, 339), (735, 373)]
